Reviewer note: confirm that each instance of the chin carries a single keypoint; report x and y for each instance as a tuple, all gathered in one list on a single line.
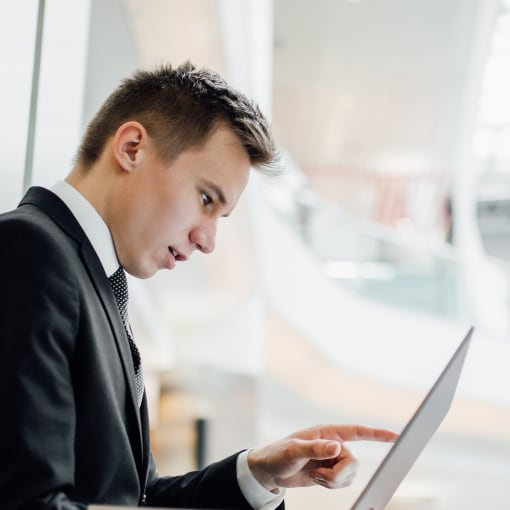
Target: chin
[(144, 276), (141, 272), (147, 273)]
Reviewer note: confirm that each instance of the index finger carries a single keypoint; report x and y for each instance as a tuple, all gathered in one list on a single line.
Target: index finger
[(363, 433)]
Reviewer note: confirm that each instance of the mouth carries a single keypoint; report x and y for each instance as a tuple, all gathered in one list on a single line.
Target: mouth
[(177, 255)]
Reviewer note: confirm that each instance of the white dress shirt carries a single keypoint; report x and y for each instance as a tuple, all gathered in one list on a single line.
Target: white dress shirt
[(100, 237)]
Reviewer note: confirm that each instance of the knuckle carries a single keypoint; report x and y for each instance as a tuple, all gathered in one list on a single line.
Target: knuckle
[(292, 449), (317, 449)]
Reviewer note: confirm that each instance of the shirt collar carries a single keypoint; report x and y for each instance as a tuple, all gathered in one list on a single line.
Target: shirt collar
[(92, 224)]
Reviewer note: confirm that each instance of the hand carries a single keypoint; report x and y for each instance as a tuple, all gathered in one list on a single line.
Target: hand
[(314, 456)]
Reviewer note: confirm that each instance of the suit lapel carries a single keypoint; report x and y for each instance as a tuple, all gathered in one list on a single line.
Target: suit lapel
[(61, 215), (104, 291)]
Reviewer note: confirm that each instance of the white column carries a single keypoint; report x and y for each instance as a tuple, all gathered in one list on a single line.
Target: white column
[(467, 239), (247, 30)]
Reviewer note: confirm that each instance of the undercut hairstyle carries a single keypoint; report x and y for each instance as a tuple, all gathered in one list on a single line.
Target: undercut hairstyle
[(179, 108)]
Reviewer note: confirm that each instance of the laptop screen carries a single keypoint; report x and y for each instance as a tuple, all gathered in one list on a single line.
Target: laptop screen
[(415, 436)]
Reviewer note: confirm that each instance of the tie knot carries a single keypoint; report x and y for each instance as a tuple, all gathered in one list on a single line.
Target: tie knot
[(118, 281)]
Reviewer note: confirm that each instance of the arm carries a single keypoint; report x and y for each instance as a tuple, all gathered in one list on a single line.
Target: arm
[(314, 456), (37, 319), (212, 487)]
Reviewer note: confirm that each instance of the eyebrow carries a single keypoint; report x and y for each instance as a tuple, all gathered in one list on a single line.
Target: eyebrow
[(217, 191)]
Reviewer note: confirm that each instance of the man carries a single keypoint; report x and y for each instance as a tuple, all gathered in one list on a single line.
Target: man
[(167, 155)]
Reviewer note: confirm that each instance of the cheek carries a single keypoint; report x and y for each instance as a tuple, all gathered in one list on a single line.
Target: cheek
[(159, 218), (139, 227), (178, 219), (159, 228)]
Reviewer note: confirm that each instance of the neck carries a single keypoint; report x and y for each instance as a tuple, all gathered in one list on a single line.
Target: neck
[(95, 184)]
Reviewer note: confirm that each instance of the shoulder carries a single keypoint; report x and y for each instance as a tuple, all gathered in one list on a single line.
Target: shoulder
[(29, 225), (35, 249)]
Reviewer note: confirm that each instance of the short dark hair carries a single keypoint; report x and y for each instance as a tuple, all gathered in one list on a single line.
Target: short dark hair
[(179, 108)]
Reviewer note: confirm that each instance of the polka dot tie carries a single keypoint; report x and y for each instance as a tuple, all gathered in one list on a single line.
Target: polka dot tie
[(119, 285)]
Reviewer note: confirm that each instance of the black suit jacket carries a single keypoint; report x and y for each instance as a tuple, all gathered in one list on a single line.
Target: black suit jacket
[(71, 433)]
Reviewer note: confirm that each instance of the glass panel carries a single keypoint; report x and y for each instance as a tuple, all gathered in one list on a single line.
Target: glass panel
[(17, 39)]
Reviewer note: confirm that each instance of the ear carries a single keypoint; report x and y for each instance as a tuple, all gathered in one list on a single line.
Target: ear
[(127, 143)]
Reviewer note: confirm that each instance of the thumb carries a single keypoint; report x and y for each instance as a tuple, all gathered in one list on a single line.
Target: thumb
[(320, 449)]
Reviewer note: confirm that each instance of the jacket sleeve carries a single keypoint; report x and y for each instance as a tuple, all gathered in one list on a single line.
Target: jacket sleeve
[(215, 486), (37, 318), (212, 487)]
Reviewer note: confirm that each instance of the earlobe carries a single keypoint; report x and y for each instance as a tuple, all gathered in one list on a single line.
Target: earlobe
[(126, 144)]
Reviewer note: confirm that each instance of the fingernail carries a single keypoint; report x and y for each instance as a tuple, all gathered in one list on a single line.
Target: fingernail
[(333, 448)]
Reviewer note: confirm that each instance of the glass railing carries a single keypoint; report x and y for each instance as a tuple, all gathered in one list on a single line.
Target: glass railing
[(380, 264), (413, 272), (374, 261)]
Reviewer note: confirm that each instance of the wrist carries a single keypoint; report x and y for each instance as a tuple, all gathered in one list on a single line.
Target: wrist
[(256, 463)]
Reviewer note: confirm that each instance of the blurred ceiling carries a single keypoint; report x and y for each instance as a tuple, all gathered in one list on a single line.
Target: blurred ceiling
[(358, 84)]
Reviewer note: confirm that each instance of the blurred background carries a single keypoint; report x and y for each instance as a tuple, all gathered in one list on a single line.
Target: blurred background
[(337, 291)]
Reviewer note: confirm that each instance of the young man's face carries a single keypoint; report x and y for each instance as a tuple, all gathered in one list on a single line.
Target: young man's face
[(163, 212)]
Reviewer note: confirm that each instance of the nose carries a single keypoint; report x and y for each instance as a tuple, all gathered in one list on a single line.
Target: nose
[(204, 237)]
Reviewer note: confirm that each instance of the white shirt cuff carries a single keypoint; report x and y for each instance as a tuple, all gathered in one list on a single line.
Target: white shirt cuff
[(253, 491)]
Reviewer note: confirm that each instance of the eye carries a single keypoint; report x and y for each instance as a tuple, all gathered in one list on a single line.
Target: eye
[(206, 199)]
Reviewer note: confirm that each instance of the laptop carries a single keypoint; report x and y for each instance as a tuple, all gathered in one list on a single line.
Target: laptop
[(415, 436), (411, 442)]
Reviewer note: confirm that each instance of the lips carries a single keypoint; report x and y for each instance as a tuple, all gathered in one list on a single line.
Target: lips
[(177, 255)]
